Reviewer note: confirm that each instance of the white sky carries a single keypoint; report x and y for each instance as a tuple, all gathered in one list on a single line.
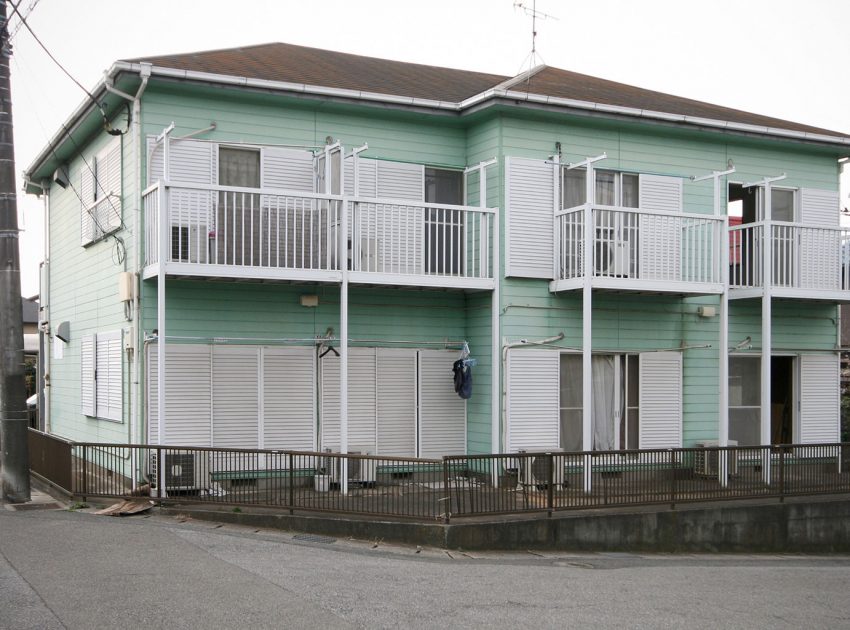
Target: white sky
[(783, 58)]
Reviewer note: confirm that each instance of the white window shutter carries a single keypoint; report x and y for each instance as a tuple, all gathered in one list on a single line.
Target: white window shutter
[(442, 413), (289, 398), (88, 394), (193, 162), (188, 395), (235, 395), (361, 401), (660, 400), (396, 402), (820, 207), (819, 398), (820, 252), (533, 404), (287, 169), (367, 185), (108, 385), (660, 237), (109, 172), (87, 232), (530, 210), (399, 180)]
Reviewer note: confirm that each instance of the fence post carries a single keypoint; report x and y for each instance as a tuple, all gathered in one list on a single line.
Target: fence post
[(781, 475), (550, 486), (85, 472), (671, 462), (160, 473), (447, 509), (291, 486)]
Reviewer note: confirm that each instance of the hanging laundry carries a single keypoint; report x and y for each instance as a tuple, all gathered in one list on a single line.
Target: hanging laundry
[(463, 378)]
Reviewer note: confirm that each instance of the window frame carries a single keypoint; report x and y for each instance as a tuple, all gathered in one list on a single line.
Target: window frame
[(618, 187)]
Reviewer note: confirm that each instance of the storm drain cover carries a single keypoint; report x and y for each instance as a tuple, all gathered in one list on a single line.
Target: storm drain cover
[(314, 538), (23, 507)]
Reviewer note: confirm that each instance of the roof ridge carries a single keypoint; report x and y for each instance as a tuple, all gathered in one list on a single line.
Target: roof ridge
[(526, 75)]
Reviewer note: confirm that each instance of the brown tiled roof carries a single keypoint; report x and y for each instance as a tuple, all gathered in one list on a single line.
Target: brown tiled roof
[(582, 87), (326, 68)]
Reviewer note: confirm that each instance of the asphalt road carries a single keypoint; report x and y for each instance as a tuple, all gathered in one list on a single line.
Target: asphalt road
[(61, 569)]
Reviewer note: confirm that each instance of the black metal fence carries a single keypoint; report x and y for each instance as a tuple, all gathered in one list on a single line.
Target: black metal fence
[(432, 489)]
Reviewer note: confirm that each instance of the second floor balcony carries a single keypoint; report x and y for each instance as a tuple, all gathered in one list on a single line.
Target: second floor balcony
[(806, 262), (638, 250), (278, 235)]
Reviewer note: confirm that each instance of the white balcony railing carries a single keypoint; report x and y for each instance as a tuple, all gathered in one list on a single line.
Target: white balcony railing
[(637, 249), (273, 233), (803, 257)]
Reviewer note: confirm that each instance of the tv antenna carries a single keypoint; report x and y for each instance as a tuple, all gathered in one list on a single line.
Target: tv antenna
[(535, 15)]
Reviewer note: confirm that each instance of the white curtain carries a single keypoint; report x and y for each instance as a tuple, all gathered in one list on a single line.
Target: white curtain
[(602, 371)]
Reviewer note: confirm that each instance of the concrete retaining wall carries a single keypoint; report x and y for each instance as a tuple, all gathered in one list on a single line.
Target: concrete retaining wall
[(813, 525)]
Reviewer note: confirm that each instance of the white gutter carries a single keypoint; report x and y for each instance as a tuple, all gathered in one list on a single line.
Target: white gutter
[(497, 92)]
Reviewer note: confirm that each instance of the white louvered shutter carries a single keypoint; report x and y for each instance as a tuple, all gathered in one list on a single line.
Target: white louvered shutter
[(188, 395), (396, 402), (530, 210), (533, 400), (660, 400), (819, 398), (109, 175), (88, 344), (287, 169), (361, 400), (660, 237), (191, 211), (442, 413), (108, 385), (235, 379), (820, 251), (368, 177), (392, 236), (87, 208), (289, 398)]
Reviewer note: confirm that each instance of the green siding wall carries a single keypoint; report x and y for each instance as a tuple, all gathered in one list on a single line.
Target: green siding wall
[(84, 292), (635, 323)]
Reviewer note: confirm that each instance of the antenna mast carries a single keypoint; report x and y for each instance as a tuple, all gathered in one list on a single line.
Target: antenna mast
[(535, 14)]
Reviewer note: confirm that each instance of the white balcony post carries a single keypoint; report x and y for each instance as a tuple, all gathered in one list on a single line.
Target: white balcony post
[(160, 336), (766, 331), (343, 335), (587, 329)]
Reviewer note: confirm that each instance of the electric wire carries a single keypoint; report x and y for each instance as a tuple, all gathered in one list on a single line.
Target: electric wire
[(119, 252), (29, 11)]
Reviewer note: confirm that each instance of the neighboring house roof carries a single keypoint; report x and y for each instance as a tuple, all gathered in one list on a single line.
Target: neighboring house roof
[(29, 311)]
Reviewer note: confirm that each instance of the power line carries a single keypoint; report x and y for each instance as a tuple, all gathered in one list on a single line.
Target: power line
[(20, 23), (54, 59)]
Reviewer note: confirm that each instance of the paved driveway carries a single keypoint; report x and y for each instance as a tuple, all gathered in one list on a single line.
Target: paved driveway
[(76, 570)]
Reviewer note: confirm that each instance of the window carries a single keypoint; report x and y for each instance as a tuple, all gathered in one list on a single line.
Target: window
[(745, 400), (616, 401), (100, 193), (612, 188), (444, 231), (100, 375), (238, 220)]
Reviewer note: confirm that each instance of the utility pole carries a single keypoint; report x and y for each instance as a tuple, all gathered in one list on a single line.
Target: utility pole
[(14, 434)]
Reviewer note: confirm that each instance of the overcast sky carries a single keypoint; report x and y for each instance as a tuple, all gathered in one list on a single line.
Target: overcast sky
[(782, 58)]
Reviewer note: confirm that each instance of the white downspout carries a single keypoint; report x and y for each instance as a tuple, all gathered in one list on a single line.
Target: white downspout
[(44, 296)]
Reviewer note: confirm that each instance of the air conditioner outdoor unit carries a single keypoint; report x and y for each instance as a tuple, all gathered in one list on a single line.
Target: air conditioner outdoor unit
[(706, 462), (534, 471), (362, 471), (613, 258), (183, 471), (190, 243)]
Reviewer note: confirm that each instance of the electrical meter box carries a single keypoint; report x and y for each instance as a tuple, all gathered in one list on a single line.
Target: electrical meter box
[(126, 285)]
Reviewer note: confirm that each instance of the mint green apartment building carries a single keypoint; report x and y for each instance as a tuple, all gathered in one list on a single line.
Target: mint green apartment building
[(315, 238)]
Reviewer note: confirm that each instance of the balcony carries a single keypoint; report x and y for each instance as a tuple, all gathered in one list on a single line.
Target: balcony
[(638, 250), (807, 262), (277, 235)]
